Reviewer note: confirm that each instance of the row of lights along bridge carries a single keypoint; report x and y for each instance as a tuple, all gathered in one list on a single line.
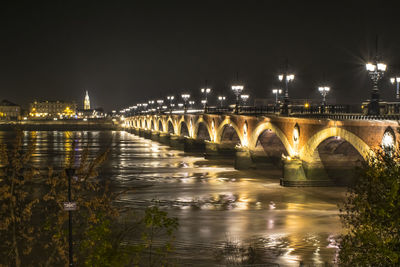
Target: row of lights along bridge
[(375, 70)]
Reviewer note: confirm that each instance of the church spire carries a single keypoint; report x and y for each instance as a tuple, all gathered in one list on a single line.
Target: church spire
[(86, 102)]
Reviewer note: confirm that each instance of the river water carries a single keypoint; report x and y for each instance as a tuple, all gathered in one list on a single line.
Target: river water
[(215, 203)]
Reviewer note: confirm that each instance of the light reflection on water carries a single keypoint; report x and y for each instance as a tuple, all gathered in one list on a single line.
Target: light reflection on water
[(214, 202)]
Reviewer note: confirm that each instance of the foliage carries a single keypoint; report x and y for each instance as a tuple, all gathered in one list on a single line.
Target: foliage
[(157, 238), (371, 214), (16, 203), (34, 225)]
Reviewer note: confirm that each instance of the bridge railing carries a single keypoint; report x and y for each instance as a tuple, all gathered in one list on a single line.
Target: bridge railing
[(347, 116)]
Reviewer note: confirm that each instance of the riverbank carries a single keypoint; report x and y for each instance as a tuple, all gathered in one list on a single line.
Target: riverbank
[(60, 125)]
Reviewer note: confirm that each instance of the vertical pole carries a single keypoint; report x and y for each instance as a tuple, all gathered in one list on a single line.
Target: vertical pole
[(70, 172), (397, 91)]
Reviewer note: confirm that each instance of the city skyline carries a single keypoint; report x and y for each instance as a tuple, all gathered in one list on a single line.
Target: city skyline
[(128, 53)]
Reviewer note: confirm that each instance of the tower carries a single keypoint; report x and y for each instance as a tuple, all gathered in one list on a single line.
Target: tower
[(86, 102)]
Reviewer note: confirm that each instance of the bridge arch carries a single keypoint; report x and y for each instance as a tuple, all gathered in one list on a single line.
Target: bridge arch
[(152, 126), (171, 128), (228, 125), (160, 125), (308, 150), (262, 128), (202, 131), (183, 129)]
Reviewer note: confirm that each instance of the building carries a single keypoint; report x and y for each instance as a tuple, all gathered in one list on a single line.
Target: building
[(86, 102), (9, 110), (91, 113), (52, 109)]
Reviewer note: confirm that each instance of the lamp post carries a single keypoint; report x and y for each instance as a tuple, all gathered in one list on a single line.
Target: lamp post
[(376, 70), (191, 103), (171, 99), (160, 102), (221, 100), (396, 81), (185, 98), (286, 78), (204, 102), (244, 99), (276, 92), (237, 90), (144, 105), (205, 91), (70, 207), (324, 90)]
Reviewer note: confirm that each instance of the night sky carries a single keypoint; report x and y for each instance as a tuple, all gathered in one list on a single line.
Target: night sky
[(129, 52)]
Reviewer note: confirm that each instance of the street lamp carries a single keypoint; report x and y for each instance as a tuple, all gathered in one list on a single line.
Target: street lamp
[(221, 99), (276, 92), (70, 206), (244, 99), (324, 90), (159, 102), (376, 70), (144, 105), (237, 90), (286, 78), (185, 98), (171, 99), (205, 91), (204, 102), (191, 103), (396, 81)]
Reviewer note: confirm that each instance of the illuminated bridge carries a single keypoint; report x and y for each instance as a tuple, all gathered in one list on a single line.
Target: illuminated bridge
[(312, 150)]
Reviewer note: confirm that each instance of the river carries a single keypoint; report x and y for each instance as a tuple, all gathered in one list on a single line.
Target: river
[(215, 203)]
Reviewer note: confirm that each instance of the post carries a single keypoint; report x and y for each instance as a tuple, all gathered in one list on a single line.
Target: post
[(70, 172)]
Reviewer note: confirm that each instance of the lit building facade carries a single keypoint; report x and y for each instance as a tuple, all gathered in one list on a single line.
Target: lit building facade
[(52, 109), (9, 110), (86, 102)]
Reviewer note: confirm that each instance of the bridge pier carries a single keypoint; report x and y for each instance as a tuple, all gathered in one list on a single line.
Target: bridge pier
[(141, 132), (155, 136), (177, 142), (243, 159), (147, 134), (163, 138), (193, 145), (215, 150), (299, 173), (135, 131)]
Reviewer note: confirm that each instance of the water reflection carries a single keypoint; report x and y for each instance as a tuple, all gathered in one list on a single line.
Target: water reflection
[(214, 202)]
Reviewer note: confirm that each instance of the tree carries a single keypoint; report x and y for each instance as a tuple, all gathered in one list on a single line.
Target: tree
[(371, 214), (34, 225), (156, 225), (16, 202)]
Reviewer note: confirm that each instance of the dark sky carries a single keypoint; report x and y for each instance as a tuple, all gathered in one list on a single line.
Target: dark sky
[(128, 52)]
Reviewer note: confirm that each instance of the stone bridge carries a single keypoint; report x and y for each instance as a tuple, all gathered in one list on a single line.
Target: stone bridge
[(311, 152)]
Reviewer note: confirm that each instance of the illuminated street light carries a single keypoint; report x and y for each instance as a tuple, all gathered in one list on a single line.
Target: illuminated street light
[(324, 90), (221, 100), (396, 81), (244, 99), (185, 98), (171, 100), (286, 78), (205, 91), (376, 70), (191, 103), (276, 92), (237, 90)]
